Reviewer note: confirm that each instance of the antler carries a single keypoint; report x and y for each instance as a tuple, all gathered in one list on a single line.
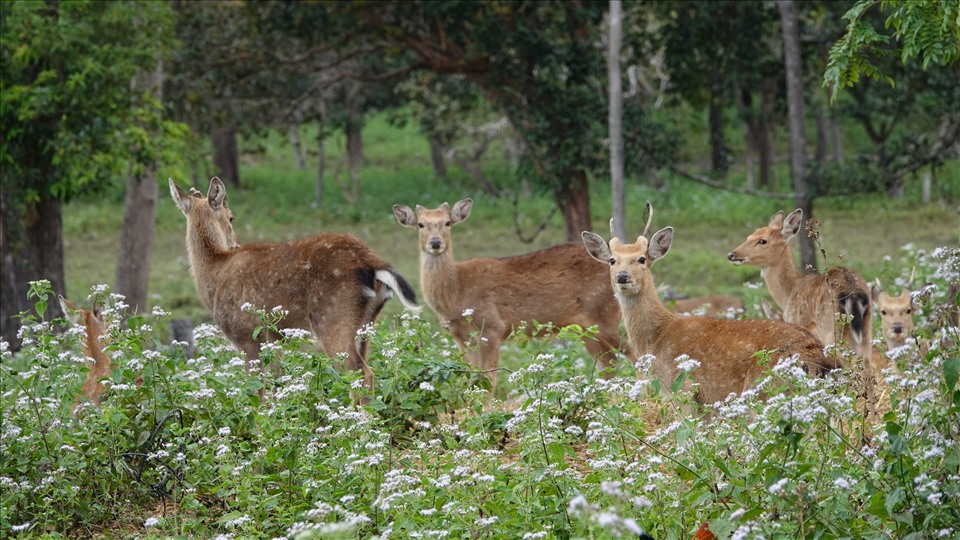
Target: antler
[(646, 229)]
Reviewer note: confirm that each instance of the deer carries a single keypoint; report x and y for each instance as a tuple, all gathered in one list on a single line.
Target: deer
[(99, 363), (714, 305), (812, 301), (726, 349), (487, 298), (332, 285), (896, 315)]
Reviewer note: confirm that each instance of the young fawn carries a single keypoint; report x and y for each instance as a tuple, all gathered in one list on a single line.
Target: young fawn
[(93, 349), (724, 348), (811, 300), (486, 299), (330, 284)]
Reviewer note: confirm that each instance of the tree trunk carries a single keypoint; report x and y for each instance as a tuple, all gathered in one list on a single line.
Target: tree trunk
[(718, 151), (31, 249), (140, 205), (321, 161), (764, 147), (136, 240), (749, 120), (794, 73), (297, 148), (573, 199), (835, 136), (225, 158), (615, 121), (436, 156), (354, 144)]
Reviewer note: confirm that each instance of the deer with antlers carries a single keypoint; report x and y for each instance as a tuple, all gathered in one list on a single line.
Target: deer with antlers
[(487, 299), (726, 349), (330, 284), (812, 301)]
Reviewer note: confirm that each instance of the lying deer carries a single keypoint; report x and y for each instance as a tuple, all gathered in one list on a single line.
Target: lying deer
[(489, 298), (330, 284), (811, 300), (101, 366), (716, 306), (724, 348)]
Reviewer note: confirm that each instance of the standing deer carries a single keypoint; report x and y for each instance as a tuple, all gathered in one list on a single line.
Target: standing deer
[(724, 348), (101, 366), (330, 284), (492, 297), (811, 300)]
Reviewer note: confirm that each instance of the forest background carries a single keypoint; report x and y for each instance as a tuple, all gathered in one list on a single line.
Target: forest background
[(321, 116), (554, 117)]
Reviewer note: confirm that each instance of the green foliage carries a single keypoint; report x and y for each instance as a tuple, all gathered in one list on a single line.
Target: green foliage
[(929, 31), (70, 117)]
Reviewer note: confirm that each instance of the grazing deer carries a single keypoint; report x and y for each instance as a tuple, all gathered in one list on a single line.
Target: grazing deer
[(101, 366), (489, 298), (330, 284), (724, 348), (811, 300)]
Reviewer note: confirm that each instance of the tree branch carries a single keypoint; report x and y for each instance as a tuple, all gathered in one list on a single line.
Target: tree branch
[(727, 187)]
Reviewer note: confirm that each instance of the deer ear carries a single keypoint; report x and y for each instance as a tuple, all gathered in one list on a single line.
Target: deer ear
[(875, 292), (69, 310), (405, 215), (660, 244), (180, 197), (791, 225), (596, 246), (461, 211), (776, 220), (216, 194)]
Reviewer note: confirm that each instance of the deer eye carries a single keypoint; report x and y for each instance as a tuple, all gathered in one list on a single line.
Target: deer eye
[(612, 261), (762, 241), (447, 224), (642, 260), (883, 312), (909, 311), (420, 225)]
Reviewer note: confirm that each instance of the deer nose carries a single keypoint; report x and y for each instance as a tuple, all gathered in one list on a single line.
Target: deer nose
[(732, 256), (897, 328), (623, 277), (436, 243)]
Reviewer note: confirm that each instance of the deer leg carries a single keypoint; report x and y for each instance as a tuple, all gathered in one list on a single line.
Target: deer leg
[(341, 340)]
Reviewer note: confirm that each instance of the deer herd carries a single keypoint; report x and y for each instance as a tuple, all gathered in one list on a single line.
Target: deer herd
[(335, 285)]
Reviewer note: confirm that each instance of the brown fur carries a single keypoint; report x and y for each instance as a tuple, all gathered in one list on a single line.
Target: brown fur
[(810, 300), (724, 348), (331, 284), (102, 367), (555, 285), (715, 306)]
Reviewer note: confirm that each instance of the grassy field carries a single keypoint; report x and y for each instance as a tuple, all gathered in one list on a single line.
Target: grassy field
[(866, 233)]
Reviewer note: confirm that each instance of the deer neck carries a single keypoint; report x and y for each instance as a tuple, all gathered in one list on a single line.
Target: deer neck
[(644, 316), (205, 247), (440, 282), (781, 277)]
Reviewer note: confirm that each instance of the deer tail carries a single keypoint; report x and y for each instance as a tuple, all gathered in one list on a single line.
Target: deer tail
[(399, 285), (856, 306)]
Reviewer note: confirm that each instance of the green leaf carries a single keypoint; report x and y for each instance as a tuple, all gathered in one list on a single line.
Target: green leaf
[(951, 371)]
